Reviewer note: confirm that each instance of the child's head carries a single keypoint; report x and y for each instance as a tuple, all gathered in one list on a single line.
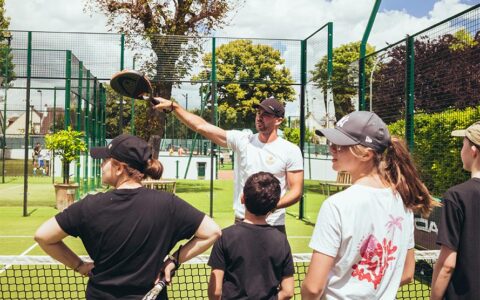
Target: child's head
[(261, 193), (471, 145)]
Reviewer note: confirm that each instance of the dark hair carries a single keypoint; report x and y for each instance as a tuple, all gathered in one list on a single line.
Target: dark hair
[(262, 193), (400, 172), (154, 170)]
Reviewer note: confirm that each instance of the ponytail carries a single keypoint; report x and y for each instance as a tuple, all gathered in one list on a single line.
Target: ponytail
[(401, 173), (154, 169)]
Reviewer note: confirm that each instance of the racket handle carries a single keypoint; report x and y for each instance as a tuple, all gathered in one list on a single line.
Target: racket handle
[(155, 291)]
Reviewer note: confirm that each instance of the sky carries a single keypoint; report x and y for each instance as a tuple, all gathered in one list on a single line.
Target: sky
[(263, 18)]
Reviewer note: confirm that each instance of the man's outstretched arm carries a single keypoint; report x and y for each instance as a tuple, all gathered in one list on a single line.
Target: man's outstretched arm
[(194, 122)]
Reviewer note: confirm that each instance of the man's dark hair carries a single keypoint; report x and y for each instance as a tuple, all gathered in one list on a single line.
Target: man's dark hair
[(262, 193)]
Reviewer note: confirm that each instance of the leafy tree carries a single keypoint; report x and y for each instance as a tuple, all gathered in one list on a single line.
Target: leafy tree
[(247, 73), (446, 75), (293, 135), (161, 24), (344, 76), (67, 144), (6, 58), (113, 113)]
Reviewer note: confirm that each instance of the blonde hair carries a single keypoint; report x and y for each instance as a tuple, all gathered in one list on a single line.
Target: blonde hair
[(396, 168)]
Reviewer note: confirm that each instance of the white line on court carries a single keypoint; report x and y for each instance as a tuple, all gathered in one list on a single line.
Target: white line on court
[(23, 254), (11, 187)]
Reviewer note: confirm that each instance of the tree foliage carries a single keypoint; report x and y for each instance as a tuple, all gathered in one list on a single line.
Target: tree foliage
[(345, 74), (293, 135), (436, 153), (446, 75), (6, 57), (247, 73), (67, 144), (157, 23)]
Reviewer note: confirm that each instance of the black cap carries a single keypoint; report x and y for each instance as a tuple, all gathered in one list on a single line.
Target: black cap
[(272, 106), (359, 127), (126, 148)]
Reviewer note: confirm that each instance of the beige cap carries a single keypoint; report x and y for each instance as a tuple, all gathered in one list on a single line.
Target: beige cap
[(472, 133)]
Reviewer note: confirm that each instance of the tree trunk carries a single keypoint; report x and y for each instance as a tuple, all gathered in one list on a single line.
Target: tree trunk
[(167, 50), (66, 171)]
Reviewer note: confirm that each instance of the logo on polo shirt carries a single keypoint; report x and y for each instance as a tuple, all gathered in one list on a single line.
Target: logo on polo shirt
[(270, 160)]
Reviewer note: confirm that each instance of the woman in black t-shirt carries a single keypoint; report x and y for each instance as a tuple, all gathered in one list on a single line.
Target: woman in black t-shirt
[(129, 230)]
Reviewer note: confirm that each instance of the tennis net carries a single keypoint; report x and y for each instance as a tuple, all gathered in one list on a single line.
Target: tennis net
[(41, 277)]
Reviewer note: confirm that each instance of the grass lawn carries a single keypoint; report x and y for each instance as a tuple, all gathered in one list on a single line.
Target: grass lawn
[(16, 231)]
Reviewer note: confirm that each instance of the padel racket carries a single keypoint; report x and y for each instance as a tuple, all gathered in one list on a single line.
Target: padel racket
[(155, 291), (133, 84), (157, 288)]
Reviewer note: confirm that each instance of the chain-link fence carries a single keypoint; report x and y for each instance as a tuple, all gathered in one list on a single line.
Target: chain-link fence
[(424, 87)]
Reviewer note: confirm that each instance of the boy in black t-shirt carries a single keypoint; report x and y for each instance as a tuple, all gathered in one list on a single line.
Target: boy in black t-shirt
[(455, 274), (253, 260)]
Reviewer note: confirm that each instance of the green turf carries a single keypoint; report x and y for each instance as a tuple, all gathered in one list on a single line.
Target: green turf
[(41, 203), (16, 234)]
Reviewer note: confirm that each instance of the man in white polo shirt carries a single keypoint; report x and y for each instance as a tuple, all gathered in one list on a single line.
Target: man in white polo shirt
[(263, 151)]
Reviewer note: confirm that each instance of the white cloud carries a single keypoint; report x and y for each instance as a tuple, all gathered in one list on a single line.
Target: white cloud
[(53, 15), (283, 19)]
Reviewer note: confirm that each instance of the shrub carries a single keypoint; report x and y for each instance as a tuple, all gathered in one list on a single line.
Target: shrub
[(68, 144), (435, 152)]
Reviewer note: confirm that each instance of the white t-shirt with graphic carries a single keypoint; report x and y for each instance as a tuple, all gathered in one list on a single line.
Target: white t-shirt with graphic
[(368, 231), (252, 156)]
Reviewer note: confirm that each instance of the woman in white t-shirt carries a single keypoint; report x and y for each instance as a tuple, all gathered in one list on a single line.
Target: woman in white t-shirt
[(363, 239)]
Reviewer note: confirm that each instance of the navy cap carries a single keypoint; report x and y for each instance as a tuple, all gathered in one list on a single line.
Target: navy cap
[(359, 128), (132, 150), (272, 106)]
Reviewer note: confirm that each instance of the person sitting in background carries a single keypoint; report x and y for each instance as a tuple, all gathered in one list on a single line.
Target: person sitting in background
[(180, 151), (129, 230), (253, 260)]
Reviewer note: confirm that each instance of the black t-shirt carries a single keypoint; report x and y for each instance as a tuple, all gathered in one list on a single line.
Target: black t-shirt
[(254, 258), (128, 233), (459, 230)]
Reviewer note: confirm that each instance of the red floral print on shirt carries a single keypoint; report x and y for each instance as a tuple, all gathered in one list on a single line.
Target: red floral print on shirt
[(376, 255)]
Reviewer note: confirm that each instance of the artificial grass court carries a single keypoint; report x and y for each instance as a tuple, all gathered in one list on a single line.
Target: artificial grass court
[(16, 231), (16, 234)]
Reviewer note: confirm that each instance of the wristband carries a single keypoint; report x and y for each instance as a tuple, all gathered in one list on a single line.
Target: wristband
[(175, 259)]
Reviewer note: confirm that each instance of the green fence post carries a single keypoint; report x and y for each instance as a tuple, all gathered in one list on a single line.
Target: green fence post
[(132, 110), (52, 160), (303, 84), (214, 119), (176, 168), (94, 132), (122, 51), (8, 36), (68, 78), (79, 125), (330, 54), (410, 92), (363, 50), (87, 133), (27, 124)]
